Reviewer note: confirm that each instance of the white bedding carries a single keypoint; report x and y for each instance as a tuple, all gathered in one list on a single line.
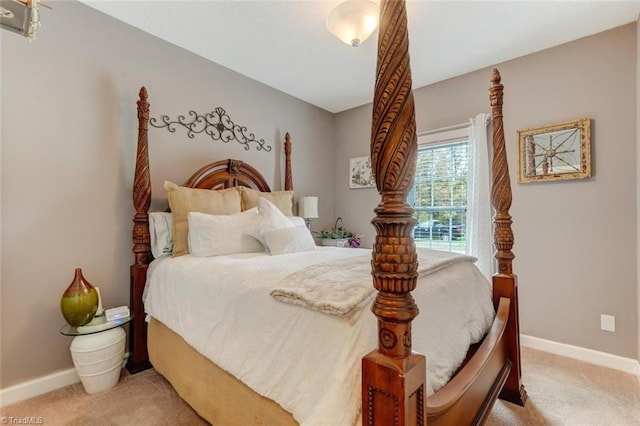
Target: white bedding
[(307, 361)]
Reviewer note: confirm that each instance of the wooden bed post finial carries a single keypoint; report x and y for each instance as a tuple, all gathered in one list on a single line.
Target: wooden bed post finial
[(393, 382), (501, 190), (142, 186), (288, 178)]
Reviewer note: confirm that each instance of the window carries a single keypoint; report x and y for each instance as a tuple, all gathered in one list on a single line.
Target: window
[(439, 193)]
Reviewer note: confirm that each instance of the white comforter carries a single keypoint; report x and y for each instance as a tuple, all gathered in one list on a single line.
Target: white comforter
[(307, 361)]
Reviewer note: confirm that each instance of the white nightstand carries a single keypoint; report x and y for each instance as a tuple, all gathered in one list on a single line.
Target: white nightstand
[(97, 350)]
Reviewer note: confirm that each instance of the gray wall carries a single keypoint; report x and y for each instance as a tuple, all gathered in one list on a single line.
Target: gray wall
[(638, 162), (69, 131), (576, 246)]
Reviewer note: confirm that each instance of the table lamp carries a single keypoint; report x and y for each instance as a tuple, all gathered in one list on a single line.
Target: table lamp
[(308, 209)]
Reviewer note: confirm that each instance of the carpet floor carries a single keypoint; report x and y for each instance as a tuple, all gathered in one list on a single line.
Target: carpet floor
[(562, 392)]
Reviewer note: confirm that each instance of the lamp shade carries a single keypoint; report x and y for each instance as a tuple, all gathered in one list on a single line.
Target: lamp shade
[(353, 21), (308, 207)]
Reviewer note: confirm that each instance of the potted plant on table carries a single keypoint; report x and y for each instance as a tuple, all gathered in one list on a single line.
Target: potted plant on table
[(338, 236)]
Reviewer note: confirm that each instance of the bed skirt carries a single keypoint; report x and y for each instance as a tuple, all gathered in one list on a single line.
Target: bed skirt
[(221, 399)]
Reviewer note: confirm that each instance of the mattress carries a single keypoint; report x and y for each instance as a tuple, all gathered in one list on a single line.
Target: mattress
[(307, 361)]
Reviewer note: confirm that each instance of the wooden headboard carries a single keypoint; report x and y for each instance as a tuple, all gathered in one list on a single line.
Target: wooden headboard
[(229, 173), (218, 175)]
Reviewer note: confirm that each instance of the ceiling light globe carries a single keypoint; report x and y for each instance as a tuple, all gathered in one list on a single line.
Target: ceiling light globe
[(353, 21)]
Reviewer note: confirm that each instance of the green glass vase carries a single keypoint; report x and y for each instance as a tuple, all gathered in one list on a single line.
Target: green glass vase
[(79, 302)]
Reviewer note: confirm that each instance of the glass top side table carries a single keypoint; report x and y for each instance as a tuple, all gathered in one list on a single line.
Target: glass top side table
[(97, 325)]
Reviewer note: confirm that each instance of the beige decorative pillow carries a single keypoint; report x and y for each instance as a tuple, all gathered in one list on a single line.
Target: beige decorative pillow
[(183, 200), (282, 199)]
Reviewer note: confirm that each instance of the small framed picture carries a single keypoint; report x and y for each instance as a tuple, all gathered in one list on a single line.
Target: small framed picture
[(360, 173), (557, 152)]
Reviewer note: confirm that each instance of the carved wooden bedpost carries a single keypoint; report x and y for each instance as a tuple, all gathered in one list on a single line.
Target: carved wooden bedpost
[(505, 282), (288, 179), (393, 378), (138, 357)]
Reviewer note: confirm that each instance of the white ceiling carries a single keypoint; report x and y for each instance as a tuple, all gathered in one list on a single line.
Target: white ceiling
[(285, 44)]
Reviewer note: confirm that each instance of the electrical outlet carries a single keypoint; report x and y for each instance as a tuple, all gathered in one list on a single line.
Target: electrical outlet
[(608, 322)]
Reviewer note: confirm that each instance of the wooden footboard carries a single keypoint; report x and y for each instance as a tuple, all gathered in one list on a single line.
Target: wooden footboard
[(467, 399)]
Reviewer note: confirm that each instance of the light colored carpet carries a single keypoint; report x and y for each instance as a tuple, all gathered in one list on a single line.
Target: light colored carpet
[(566, 392), (142, 399), (561, 391)]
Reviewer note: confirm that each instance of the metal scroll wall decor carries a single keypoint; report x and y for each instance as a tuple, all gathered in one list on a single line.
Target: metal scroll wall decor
[(217, 124)]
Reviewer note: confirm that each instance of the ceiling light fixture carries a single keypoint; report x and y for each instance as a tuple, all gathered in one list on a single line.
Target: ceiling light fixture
[(353, 21)]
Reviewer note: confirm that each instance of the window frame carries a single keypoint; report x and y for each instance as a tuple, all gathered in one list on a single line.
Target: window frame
[(441, 137)]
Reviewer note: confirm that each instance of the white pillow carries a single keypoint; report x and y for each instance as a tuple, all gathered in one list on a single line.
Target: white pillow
[(160, 224), (269, 217), (216, 235), (297, 221), (289, 240)]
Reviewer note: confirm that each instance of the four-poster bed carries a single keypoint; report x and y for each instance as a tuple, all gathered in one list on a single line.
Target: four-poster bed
[(393, 377)]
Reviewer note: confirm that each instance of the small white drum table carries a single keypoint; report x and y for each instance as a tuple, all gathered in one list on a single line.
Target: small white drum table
[(97, 350)]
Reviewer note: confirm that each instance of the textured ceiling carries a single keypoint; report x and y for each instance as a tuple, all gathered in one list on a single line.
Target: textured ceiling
[(285, 44)]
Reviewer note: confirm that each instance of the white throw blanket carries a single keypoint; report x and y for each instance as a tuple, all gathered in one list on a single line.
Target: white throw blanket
[(342, 287)]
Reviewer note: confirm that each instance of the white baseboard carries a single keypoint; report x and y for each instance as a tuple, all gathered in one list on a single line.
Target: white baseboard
[(627, 365), (32, 388), (44, 384), (38, 386)]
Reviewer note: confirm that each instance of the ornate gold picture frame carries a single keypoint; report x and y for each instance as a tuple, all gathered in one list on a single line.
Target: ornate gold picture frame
[(557, 152)]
